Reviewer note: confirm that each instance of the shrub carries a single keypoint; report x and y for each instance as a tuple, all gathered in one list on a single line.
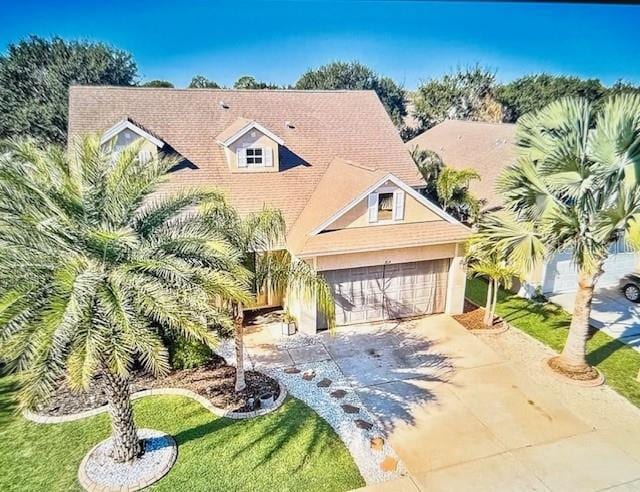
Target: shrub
[(188, 354)]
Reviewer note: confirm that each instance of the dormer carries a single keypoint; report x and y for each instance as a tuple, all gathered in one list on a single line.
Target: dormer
[(125, 132), (250, 147)]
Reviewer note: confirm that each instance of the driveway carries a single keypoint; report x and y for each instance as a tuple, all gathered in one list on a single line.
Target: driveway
[(611, 312), (463, 416)]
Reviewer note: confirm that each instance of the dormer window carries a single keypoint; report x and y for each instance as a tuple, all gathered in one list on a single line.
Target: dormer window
[(386, 205), (254, 157)]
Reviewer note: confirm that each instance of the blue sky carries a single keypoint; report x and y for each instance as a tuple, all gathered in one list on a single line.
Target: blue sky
[(409, 41)]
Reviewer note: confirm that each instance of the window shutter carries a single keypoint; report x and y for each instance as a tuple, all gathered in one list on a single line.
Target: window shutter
[(268, 156), (373, 207), (242, 157), (398, 205), (144, 156)]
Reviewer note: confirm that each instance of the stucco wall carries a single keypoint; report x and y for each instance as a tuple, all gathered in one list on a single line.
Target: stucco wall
[(358, 216), (253, 138), (127, 137)]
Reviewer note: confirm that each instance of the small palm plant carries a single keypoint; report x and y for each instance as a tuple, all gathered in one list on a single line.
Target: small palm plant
[(261, 236), (93, 269), (574, 189)]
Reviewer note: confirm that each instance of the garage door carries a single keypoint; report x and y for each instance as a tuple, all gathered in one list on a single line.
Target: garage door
[(562, 276), (388, 291)]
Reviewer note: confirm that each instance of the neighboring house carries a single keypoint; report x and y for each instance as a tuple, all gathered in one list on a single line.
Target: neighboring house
[(331, 161), (489, 148)]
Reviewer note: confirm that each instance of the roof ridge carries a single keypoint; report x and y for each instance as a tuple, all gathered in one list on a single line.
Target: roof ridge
[(210, 89), (358, 165)]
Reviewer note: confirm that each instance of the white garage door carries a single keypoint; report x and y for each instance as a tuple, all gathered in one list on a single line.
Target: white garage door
[(562, 276), (388, 291)]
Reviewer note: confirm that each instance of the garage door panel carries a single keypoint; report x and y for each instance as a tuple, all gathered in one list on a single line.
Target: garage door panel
[(389, 291)]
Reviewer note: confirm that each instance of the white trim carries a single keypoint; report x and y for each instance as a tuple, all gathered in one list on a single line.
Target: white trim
[(347, 251), (251, 126), (127, 125), (400, 184)]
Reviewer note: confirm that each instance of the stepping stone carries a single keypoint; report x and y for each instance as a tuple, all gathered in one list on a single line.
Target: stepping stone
[(377, 443), (338, 394), (291, 370), (325, 383), (389, 464), (363, 424), (350, 409), (308, 375)]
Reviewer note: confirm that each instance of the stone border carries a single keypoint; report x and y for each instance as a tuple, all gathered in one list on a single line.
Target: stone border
[(92, 486), (59, 419), (587, 383)]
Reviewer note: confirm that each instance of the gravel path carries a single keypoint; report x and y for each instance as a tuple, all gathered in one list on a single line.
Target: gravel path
[(356, 438)]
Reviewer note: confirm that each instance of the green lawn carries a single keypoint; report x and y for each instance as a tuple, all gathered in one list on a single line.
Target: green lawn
[(548, 323), (290, 449)]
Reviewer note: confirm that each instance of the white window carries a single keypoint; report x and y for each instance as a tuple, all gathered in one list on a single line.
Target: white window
[(254, 157), (386, 205)]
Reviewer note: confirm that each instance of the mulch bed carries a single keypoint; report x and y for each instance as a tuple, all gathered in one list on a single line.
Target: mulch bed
[(215, 381), (472, 318), (587, 373)]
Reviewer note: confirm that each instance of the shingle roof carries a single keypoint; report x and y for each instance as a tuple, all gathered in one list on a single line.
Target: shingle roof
[(486, 147), (384, 237), (350, 125), (341, 184)]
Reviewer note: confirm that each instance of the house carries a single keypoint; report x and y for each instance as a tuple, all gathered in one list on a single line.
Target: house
[(331, 161), (489, 148)]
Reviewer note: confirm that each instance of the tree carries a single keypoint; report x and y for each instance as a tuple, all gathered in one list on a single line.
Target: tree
[(573, 188), (249, 82), (158, 83), (35, 75), (467, 94), (93, 270), (201, 82), (352, 76), (446, 186), (258, 236), (533, 92)]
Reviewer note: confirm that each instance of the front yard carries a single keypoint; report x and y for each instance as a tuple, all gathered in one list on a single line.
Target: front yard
[(548, 323), (289, 449)]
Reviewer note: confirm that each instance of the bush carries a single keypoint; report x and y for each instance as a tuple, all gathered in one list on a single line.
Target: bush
[(188, 354)]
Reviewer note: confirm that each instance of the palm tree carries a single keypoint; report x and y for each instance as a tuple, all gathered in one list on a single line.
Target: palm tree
[(261, 236), (486, 263), (573, 189), (446, 186), (93, 269)]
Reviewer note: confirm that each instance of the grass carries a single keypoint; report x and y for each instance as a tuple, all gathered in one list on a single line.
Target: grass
[(549, 324), (290, 449)]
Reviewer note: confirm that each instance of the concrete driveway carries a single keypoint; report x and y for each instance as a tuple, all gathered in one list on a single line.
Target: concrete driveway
[(464, 415), (611, 312)]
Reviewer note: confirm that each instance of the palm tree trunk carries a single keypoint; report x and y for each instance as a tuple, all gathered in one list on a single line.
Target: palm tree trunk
[(126, 445), (574, 354), (238, 316), (487, 308), (494, 302)]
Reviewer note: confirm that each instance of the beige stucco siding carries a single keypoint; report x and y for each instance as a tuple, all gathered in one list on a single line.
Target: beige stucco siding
[(404, 255), (358, 216), (253, 138)]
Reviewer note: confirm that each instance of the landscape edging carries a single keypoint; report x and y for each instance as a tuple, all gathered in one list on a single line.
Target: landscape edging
[(59, 419)]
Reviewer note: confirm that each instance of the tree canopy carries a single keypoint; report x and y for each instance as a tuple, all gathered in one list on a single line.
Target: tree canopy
[(158, 83), (201, 82), (249, 82), (35, 75), (467, 94), (354, 75)]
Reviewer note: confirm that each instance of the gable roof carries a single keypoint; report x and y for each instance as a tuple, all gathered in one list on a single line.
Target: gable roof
[(241, 126), (344, 185), (127, 124), (486, 147), (325, 125)]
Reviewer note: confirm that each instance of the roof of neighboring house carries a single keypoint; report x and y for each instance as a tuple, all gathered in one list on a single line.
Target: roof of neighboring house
[(323, 126), (486, 147), (381, 237)]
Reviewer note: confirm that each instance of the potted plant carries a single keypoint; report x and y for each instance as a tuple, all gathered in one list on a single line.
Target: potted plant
[(266, 400), (288, 323)]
